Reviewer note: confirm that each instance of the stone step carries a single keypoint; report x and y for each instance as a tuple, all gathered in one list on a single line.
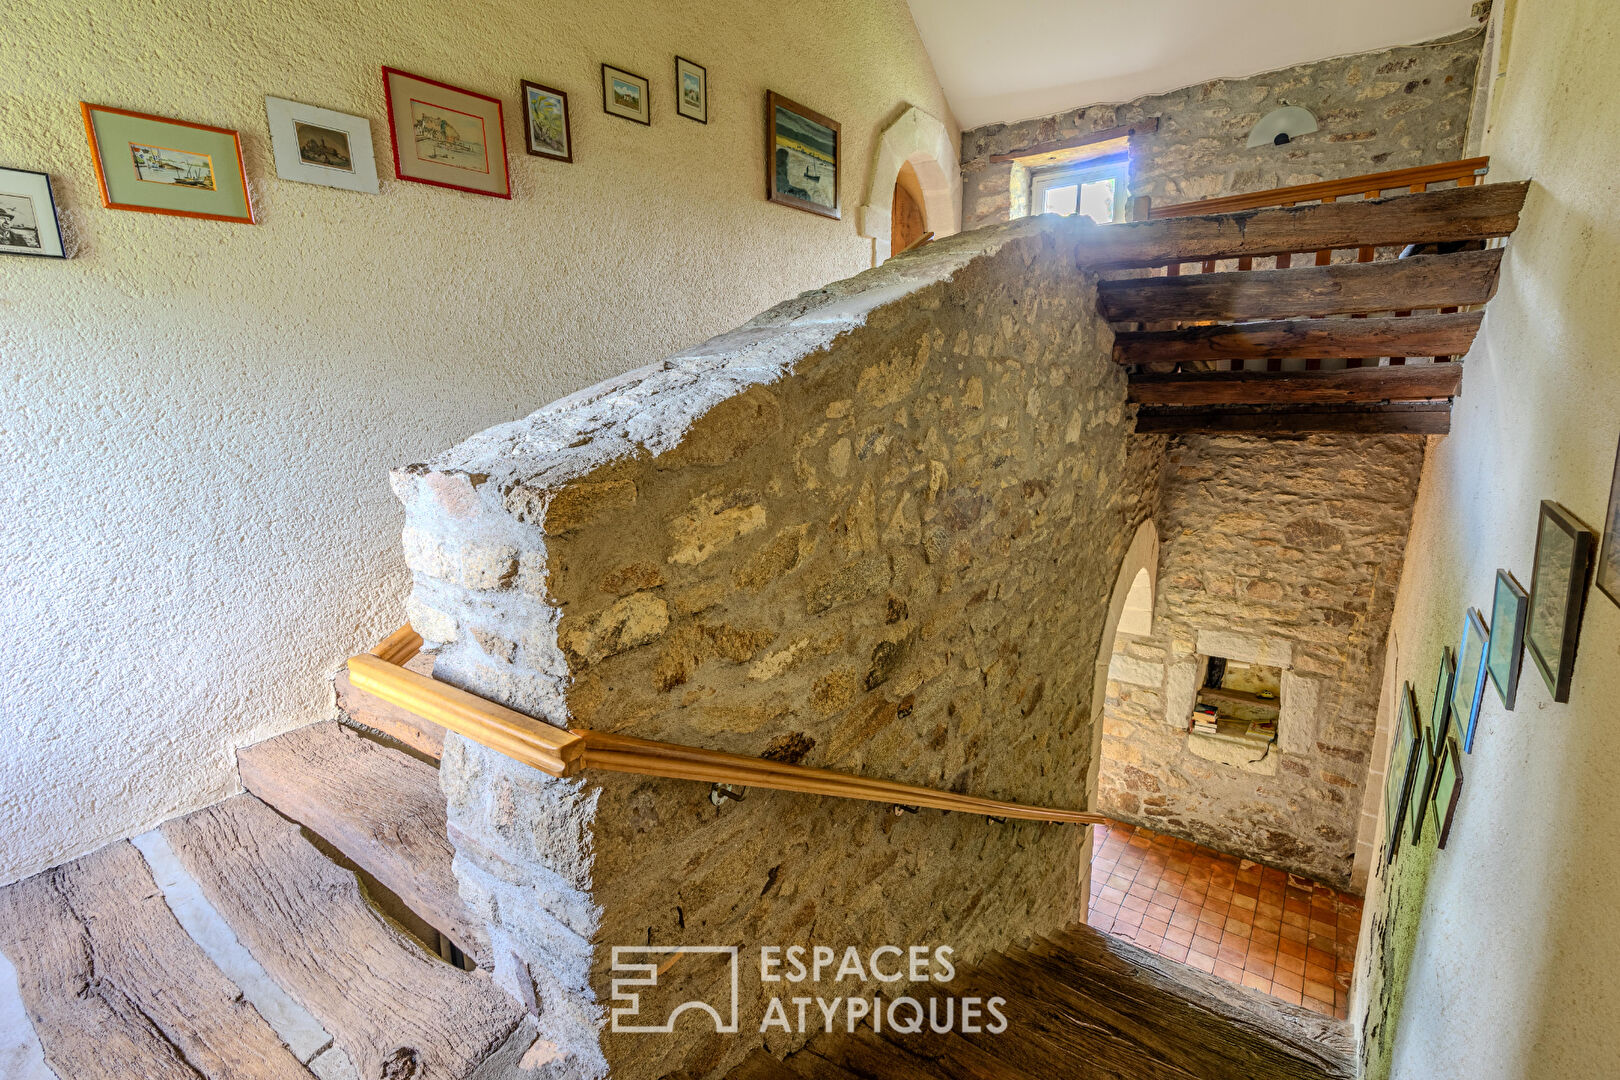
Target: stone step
[(381, 808)]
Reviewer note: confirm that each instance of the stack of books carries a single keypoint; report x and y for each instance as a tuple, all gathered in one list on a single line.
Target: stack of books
[(1204, 719)]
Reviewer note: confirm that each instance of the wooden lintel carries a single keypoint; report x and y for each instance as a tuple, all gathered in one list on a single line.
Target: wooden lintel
[(1315, 339), (1426, 281), (1459, 214), (1421, 419), (1412, 382), (1142, 127)]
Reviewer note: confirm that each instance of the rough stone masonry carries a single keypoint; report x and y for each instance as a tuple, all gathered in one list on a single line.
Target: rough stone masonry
[(876, 530)]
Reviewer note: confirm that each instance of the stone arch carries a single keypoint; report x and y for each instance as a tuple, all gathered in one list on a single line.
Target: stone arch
[(1130, 611), (925, 142)]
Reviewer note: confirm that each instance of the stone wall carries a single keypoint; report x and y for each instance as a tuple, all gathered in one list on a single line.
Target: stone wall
[(1377, 111), (875, 530), (1285, 552)]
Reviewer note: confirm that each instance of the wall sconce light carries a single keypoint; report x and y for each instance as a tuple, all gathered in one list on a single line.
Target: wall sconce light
[(1280, 126)]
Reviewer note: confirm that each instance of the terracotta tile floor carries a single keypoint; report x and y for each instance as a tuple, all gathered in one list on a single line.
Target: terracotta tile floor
[(1283, 935)]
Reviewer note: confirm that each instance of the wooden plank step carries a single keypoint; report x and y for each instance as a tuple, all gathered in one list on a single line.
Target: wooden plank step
[(395, 1009), (1305, 339), (1425, 281), (1413, 382), (381, 808), (1405, 418), (115, 988), (1467, 213), (369, 710)]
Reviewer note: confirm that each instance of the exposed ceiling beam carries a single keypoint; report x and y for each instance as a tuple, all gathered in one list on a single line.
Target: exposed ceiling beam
[(1417, 382), (1424, 419), (1319, 339)]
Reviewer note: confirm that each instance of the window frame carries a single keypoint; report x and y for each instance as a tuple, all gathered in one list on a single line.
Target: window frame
[(1115, 167)]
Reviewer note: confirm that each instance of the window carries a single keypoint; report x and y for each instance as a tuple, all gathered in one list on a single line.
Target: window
[(1094, 188)]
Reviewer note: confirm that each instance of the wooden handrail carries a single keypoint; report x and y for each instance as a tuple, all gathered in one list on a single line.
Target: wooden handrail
[(1370, 184), (564, 753)]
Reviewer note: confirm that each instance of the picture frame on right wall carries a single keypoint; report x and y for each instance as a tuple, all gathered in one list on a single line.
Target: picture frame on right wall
[(1558, 584), (1505, 654), (1608, 568)]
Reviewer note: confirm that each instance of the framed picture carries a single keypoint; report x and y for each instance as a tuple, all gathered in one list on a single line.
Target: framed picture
[(1447, 787), (28, 224), (1403, 761), (319, 146), (802, 151), (1558, 595), (1440, 715), (446, 136), (545, 122), (1468, 688), (1608, 571), (162, 166), (626, 94), (691, 90), (1506, 652), (1423, 779)]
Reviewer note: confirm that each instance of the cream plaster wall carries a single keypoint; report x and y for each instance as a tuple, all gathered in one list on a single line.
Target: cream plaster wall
[(196, 417), (1514, 969)]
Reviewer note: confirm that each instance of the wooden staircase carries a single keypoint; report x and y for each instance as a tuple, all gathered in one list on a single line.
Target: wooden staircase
[(1227, 334), (1085, 1006)]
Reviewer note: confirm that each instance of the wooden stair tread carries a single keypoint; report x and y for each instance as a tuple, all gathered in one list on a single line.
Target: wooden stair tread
[(116, 988), (381, 808), (1398, 418), (1413, 382), (1425, 281), (368, 710), (395, 1009), (1478, 212), (1304, 339)]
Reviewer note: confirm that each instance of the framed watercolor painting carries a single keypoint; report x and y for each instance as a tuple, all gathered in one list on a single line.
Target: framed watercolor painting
[(28, 224), (1505, 654), (1608, 570), (1403, 760), (546, 129), (1447, 788), (1440, 715), (162, 166), (1468, 688), (691, 90), (626, 94), (446, 136), (1558, 582), (1423, 779), (802, 157), (319, 146)]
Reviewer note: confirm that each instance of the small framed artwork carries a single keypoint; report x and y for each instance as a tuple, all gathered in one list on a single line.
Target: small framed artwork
[(1440, 716), (1506, 652), (1558, 595), (691, 90), (545, 122), (1447, 788), (802, 152), (1403, 761), (446, 136), (319, 146), (1468, 688), (28, 224), (162, 166), (626, 94), (1423, 780), (1608, 570)]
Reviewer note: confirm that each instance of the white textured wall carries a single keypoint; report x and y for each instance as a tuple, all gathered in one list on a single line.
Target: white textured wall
[(196, 417), (1515, 969)]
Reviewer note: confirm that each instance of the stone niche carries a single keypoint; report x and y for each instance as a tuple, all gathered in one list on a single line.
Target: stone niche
[(1282, 554), (875, 529)]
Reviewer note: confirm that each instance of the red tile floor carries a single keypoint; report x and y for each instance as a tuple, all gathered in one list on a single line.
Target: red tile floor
[(1262, 928)]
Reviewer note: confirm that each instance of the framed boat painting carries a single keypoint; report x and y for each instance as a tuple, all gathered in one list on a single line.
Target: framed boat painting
[(545, 122), (446, 136), (28, 224), (802, 150), (1563, 567), (162, 166)]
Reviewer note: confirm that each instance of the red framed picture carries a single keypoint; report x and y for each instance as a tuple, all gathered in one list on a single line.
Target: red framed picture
[(446, 136), (161, 166)]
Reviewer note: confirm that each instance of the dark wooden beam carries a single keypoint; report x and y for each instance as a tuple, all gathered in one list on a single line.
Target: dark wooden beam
[(1427, 281), (1414, 382), (1467, 213), (1312, 339), (1424, 419)]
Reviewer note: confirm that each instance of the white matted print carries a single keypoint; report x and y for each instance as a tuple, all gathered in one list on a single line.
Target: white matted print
[(445, 135), (319, 146), (28, 223), (691, 90), (626, 94)]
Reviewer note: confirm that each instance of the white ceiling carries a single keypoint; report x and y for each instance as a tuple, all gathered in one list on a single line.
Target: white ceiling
[(1015, 59)]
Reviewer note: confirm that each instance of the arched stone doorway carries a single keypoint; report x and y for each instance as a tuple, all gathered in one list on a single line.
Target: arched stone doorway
[(1130, 611), (909, 222), (921, 143)]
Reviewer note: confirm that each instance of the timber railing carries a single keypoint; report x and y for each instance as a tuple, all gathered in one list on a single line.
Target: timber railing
[(567, 752)]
